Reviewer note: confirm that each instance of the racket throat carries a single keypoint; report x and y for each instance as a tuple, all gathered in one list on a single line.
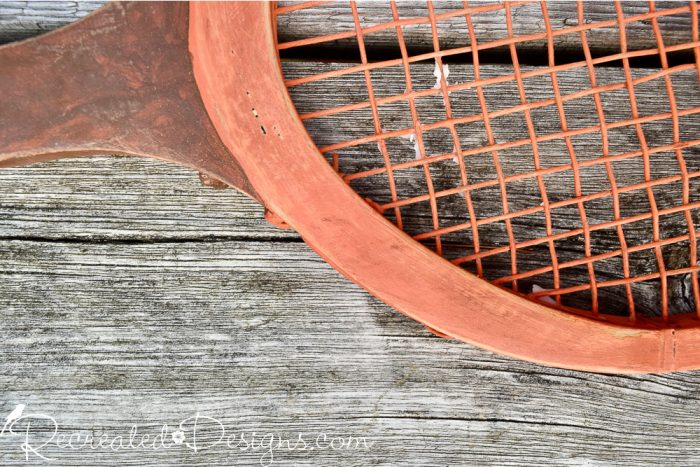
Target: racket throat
[(119, 81)]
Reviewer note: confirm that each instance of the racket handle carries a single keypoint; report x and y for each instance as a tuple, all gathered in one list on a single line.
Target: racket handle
[(119, 81)]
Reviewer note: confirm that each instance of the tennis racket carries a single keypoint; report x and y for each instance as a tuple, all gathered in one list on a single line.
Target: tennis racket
[(530, 187)]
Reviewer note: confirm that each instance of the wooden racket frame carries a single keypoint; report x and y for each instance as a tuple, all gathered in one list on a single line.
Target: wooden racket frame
[(244, 92), (270, 156)]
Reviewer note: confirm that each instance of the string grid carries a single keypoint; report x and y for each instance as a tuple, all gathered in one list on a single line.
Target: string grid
[(573, 180)]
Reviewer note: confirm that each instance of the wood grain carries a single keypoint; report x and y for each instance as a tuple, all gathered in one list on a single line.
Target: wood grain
[(265, 336), (21, 19), (131, 294), (75, 200), (489, 26)]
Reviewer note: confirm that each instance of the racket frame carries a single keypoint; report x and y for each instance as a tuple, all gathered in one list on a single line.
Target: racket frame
[(238, 72)]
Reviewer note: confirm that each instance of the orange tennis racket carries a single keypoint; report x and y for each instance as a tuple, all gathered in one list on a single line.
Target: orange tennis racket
[(541, 206)]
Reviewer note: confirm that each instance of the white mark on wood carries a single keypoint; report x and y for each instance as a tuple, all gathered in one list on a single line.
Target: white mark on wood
[(416, 147), (439, 72)]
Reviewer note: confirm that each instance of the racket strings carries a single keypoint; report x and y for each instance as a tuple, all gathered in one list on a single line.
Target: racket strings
[(454, 172)]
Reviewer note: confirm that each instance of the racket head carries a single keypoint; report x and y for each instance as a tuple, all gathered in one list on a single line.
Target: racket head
[(238, 73)]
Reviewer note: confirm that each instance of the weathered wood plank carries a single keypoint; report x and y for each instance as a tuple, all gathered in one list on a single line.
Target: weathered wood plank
[(266, 337), (489, 26), (21, 19), (580, 113), (123, 199)]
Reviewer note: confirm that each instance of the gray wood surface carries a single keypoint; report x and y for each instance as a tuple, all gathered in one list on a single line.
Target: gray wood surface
[(488, 25), (133, 295)]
